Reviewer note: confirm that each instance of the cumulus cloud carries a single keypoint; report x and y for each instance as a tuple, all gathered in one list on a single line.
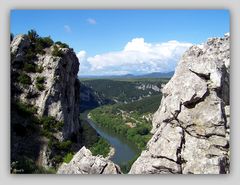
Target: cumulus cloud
[(67, 28), (91, 21), (137, 56)]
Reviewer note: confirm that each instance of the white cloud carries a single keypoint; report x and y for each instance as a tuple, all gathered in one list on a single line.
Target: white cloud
[(82, 55), (91, 21), (67, 28), (137, 56)]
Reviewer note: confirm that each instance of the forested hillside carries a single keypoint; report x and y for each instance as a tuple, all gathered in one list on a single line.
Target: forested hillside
[(124, 90)]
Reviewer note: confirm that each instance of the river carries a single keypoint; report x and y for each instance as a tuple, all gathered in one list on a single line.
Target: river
[(124, 150)]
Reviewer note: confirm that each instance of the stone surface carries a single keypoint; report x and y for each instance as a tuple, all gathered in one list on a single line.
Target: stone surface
[(84, 162), (60, 97), (192, 125)]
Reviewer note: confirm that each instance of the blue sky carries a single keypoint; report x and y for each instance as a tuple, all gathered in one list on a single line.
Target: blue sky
[(124, 41)]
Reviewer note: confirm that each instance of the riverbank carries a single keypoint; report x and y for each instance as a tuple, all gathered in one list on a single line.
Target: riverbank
[(113, 118), (121, 151)]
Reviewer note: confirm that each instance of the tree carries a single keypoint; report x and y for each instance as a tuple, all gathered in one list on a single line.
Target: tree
[(32, 35)]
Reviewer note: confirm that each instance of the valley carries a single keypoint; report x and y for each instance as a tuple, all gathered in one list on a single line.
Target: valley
[(120, 111)]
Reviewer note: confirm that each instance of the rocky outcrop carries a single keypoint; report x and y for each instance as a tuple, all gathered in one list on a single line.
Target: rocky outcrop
[(191, 126), (84, 162), (54, 88)]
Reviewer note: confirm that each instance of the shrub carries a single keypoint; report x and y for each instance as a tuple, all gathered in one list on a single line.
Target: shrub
[(64, 145), (30, 54), (68, 157), (39, 69), (40, 79), (42, 43), (45, 42), (50, 125), (40, 83), (62, 45), (24, 79), (24, 109), (102, 147), (59, 125), (57, 159), (57, 52), (32, 35), (39, 49), (29, 68)]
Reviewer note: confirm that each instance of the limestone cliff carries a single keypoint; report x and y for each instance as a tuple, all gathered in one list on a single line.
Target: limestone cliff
[(84, 162), (191, 126), (48, 81)]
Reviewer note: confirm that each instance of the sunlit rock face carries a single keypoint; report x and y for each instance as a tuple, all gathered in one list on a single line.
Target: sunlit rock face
[(84, 162), (60, 96), (191, 126)]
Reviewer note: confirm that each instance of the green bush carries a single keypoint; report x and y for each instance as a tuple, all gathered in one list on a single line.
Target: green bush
[(40, 79), (29, 68), (25, 109), (68, 157), (24, 79), (42, 43), (40, 83), (30, 54), (39, 69), (57, 159), (62, 45), (57, 52), (32, 35), (45, 42), (102, 147), (64, 145), (39, 49), (38, 44), (40, 87), (50, 125)]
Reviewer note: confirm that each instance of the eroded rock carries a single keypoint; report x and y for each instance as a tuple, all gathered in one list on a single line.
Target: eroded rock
[(191, 127)]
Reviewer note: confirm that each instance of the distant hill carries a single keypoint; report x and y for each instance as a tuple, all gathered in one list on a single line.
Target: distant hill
[(157, 75), (148, 75)]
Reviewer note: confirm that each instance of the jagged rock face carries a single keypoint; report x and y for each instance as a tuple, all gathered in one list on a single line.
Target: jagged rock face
[(84, 163), (191, 126), (60, 96)]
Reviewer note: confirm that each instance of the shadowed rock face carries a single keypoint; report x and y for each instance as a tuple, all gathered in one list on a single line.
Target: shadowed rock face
[(84, 163), (60, 96), (191, 126)]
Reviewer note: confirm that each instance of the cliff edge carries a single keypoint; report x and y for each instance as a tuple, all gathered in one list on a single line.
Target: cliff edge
[(47, 78), (191, 126)]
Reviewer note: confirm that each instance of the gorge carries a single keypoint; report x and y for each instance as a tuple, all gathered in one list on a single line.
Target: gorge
[(189, 129)]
